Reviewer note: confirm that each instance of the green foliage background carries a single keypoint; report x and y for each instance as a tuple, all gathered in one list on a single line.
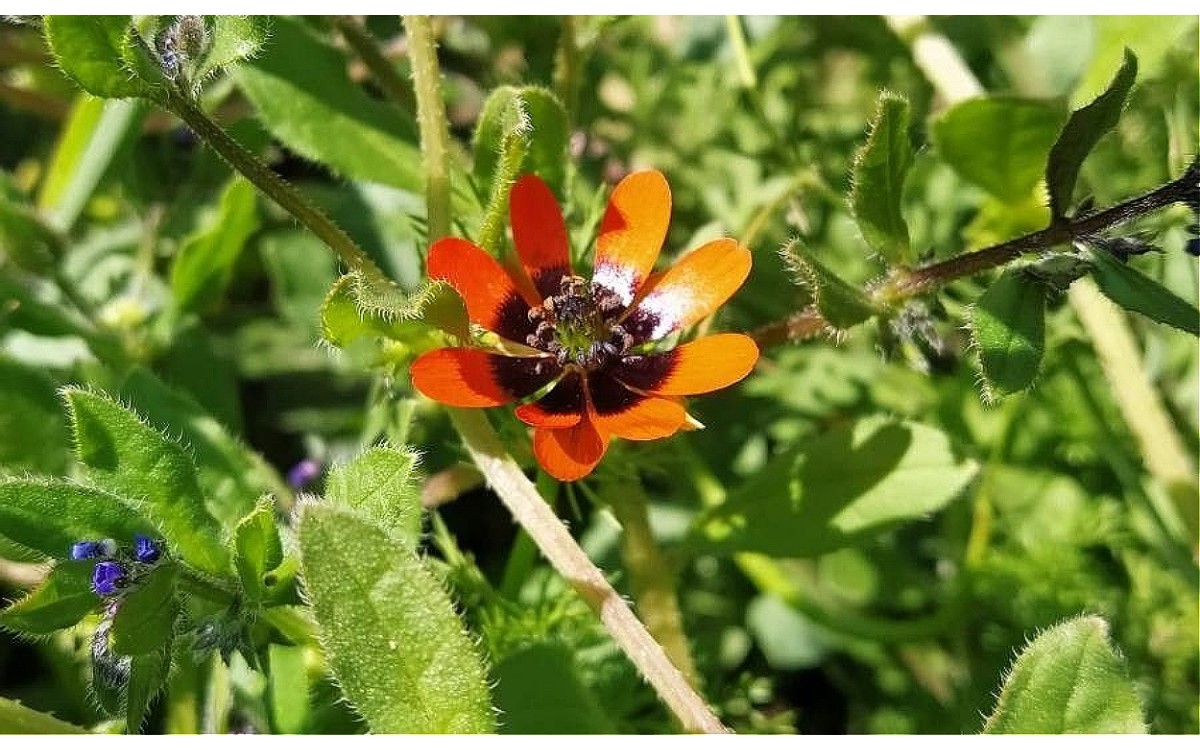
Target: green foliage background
[(864, 539)]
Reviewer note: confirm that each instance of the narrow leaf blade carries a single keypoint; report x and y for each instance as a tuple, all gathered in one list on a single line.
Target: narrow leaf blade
[(1134, 290), (879, 171), (1083, 131), (62, 600), (204, 265)]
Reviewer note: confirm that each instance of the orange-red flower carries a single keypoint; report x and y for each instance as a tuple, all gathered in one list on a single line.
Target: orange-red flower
[(591, 342)]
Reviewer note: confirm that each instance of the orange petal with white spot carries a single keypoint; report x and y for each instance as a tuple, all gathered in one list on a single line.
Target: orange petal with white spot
[(690, 290), (632, 232)]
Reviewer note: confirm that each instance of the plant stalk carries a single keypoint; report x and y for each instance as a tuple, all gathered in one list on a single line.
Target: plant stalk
[(535, 516), (431, 118), (382, 70)]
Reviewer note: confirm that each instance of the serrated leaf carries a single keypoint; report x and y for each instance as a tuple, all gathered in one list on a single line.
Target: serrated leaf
[(1070, 680), (389, 631), (1083, 131), (204, 266), (33, 433), (257, 549), (233, 39), (18, 719), (839, 302), (998, 143), (60, 601), (840, 488), (1008, 325), (304, 96), (539, 691), (528, 117), (91, 50), (49, 515), (146, 615), (880, 167), (1134, 290), (125, 454), (379, 483)]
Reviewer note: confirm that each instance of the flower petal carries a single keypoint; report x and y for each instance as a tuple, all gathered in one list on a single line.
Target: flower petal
[(706, 364), (459, 376), (562, 407), (493, 300), (570, 453), (539, 234), (633, 416), (690, 290), (632, 232)]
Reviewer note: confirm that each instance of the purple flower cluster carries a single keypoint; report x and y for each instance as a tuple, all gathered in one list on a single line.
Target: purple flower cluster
[(116, 567)]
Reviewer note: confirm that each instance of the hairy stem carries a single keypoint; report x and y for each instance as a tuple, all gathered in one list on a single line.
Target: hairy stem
[(431, 117), (382, 70), (547, 530), (271, 184), (651, 575)]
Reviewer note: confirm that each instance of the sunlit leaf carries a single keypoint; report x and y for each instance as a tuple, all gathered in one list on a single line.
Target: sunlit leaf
[(880, 167), (1008, 325)]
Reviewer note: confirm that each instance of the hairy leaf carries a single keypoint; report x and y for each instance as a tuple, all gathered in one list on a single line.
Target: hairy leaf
[(379, 483), (257, 549), (145, 618), (529, 118), (93, 52), (1070, 680), (1134, 290), (999, 144), (841, 303), (127, 455), (388, 629), (33, 433), (1008, 325), (62, 600), (49, 515), (1083, 131), (18, 719), (844, 486), (233, 40), (880, 167)]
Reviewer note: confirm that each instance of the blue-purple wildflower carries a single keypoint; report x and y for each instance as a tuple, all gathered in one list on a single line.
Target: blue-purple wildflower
[(303, 473), (87, 550), (109, 577), (145, 549)]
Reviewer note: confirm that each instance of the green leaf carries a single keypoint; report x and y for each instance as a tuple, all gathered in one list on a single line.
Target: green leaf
[(880, 167), (530, 118), (842, 304), (92, 51), (125, 454), (788, 639), (1008, 326), (999, 144), (49, 515), (145, 618), (27, 311), (62, 600), (356, 307), (288, 689), (147, 678), (1134, 290), (389, 631), (379, 483), (18, 719), (1151, 38), (1070, 680), (539, 691), (304, 96), (1082, 132), (844, 486), (257, 549), (95, 135), (33, 433), (24, 237), (230, 476), (204, 266), (302, 271), (233, 39)]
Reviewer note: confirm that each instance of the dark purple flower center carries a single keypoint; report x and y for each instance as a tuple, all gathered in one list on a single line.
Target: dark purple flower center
[(579, 324)]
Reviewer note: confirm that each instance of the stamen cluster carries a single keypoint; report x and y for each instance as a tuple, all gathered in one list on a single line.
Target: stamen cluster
[(579, 324)]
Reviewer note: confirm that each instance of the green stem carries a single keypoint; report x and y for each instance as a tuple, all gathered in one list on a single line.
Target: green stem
[(431, 117), (741, 53), (367, 48), (271, 184), (537, 518), (512, 155), (567, 65), (651, 576)]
